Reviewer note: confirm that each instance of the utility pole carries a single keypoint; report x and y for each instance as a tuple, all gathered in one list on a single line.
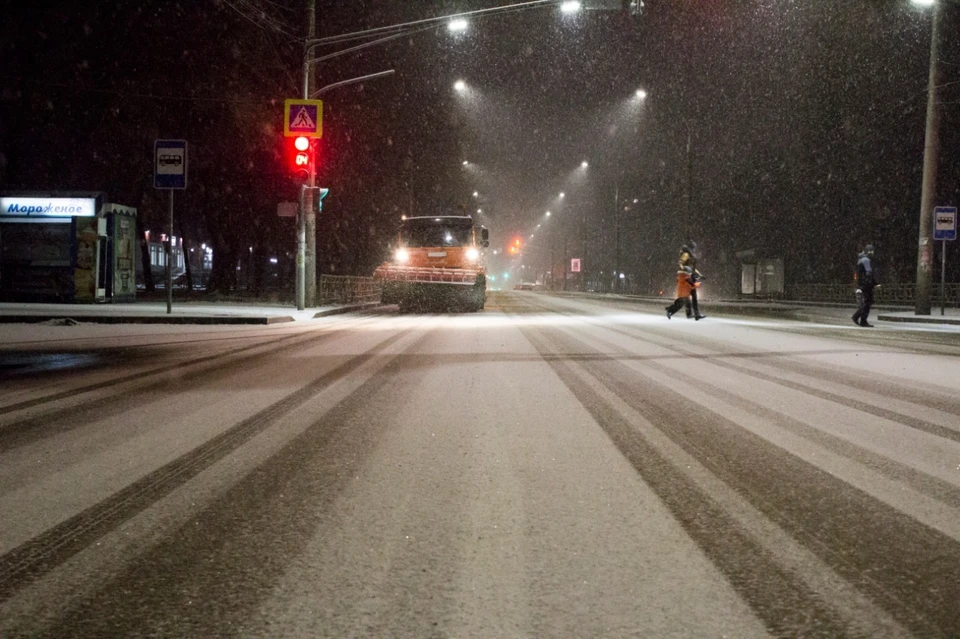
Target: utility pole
[(616, 212), (309, 212), (931, 154), (583, 252), (688, 221)]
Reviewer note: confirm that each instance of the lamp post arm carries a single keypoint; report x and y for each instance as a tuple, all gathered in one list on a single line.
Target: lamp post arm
[(342, 83), (530, 4)]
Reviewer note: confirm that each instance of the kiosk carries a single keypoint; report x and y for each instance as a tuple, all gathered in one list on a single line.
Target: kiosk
[(66, 247)]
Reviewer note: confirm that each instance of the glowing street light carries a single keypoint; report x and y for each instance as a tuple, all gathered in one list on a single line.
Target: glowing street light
[(460, 85), (465, 163), (584, 164), (548, 213), (457, 25), (475, 194), (924, 3), (562, 195), (570, 6), (641, 94)]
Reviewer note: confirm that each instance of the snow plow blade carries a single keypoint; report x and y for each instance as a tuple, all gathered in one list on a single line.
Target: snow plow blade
[(427, 275)]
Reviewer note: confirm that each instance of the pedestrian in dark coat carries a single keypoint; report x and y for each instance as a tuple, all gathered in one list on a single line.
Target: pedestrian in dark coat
[(867, 281)]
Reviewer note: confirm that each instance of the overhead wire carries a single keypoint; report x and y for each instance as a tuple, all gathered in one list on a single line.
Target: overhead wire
[(262, 21)]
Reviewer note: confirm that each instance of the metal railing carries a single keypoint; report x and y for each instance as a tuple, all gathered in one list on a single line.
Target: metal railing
[(886, 294), (347, 289)]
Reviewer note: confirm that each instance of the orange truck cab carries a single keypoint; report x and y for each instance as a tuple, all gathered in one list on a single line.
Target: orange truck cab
[(437, 261)]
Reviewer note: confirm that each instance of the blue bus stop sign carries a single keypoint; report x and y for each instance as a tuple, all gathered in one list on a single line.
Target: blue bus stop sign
[(170, 164), (945, 223)]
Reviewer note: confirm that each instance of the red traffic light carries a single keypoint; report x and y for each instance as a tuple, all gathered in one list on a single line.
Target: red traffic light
[(300, 155)]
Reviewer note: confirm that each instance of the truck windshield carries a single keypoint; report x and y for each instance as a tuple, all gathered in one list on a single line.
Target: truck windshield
[(436, 234)]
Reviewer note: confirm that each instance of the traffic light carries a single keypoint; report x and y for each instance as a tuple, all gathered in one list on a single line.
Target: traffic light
[(515, 246), (301, 158)]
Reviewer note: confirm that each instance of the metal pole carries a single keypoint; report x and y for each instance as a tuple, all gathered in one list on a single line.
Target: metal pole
[(931, 153), (170, 258), (943, 276), (616, 212), (301, 250), (310, 216), (688, 220), (583, 252)]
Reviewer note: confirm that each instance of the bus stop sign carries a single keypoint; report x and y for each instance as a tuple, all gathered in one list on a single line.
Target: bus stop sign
[(945, 223)]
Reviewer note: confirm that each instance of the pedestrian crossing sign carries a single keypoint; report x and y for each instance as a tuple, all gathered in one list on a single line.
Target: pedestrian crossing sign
[(303, 118)]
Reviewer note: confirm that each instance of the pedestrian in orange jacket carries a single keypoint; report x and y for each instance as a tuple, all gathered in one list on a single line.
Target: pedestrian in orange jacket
[(687, 284)]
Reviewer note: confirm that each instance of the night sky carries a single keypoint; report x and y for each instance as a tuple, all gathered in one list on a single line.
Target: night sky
[(806, 122)]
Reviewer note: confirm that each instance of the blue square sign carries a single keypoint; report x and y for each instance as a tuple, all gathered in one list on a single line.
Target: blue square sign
[(170, 164), (945, 223)]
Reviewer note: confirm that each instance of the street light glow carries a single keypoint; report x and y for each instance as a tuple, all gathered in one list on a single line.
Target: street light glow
[(570, 6), (475, 194), (635, 200), (457, 25), (562, 195), (460, 85), (584, 164), (641, 94), (465, 163), (548, 213), (924, 3)]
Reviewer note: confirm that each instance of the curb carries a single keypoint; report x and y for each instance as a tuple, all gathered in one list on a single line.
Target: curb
[(720, 308), (919, 320), (349, 308), (149, 319)]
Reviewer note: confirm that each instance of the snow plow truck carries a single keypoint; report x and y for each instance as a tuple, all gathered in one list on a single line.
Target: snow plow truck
[(437, 263)]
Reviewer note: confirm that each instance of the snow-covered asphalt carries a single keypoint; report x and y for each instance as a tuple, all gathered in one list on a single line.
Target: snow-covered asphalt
[(550, 467)]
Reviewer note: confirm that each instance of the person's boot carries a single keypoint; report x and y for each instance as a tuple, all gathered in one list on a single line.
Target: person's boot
[(856, 320), (669, 312), (699, 317)]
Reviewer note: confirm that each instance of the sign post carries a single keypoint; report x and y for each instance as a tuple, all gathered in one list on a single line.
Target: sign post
[(304, 118), (944, 229), (170, 174)]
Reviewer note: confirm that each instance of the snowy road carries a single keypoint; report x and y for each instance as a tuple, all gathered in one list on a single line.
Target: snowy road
[(549, 467)]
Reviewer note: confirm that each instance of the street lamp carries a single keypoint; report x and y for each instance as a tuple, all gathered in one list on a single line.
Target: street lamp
[(457, 25), (465, 163), (570, 6), (460, 85), (641, 94), (476, 194), (584, 164), (548, 213), (562, 195)]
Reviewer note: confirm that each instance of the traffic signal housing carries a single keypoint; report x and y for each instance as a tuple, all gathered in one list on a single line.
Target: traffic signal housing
[(515, 246), (301, 155)]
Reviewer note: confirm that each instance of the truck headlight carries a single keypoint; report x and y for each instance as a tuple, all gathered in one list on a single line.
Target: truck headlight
[(473, 254), (401, 255)]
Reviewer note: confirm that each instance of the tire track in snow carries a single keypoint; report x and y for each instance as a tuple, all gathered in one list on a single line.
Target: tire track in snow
[(39, 556), (907, 567)]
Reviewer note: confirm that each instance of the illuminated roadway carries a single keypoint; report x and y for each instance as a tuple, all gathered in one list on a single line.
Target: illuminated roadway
[(550, 467)]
